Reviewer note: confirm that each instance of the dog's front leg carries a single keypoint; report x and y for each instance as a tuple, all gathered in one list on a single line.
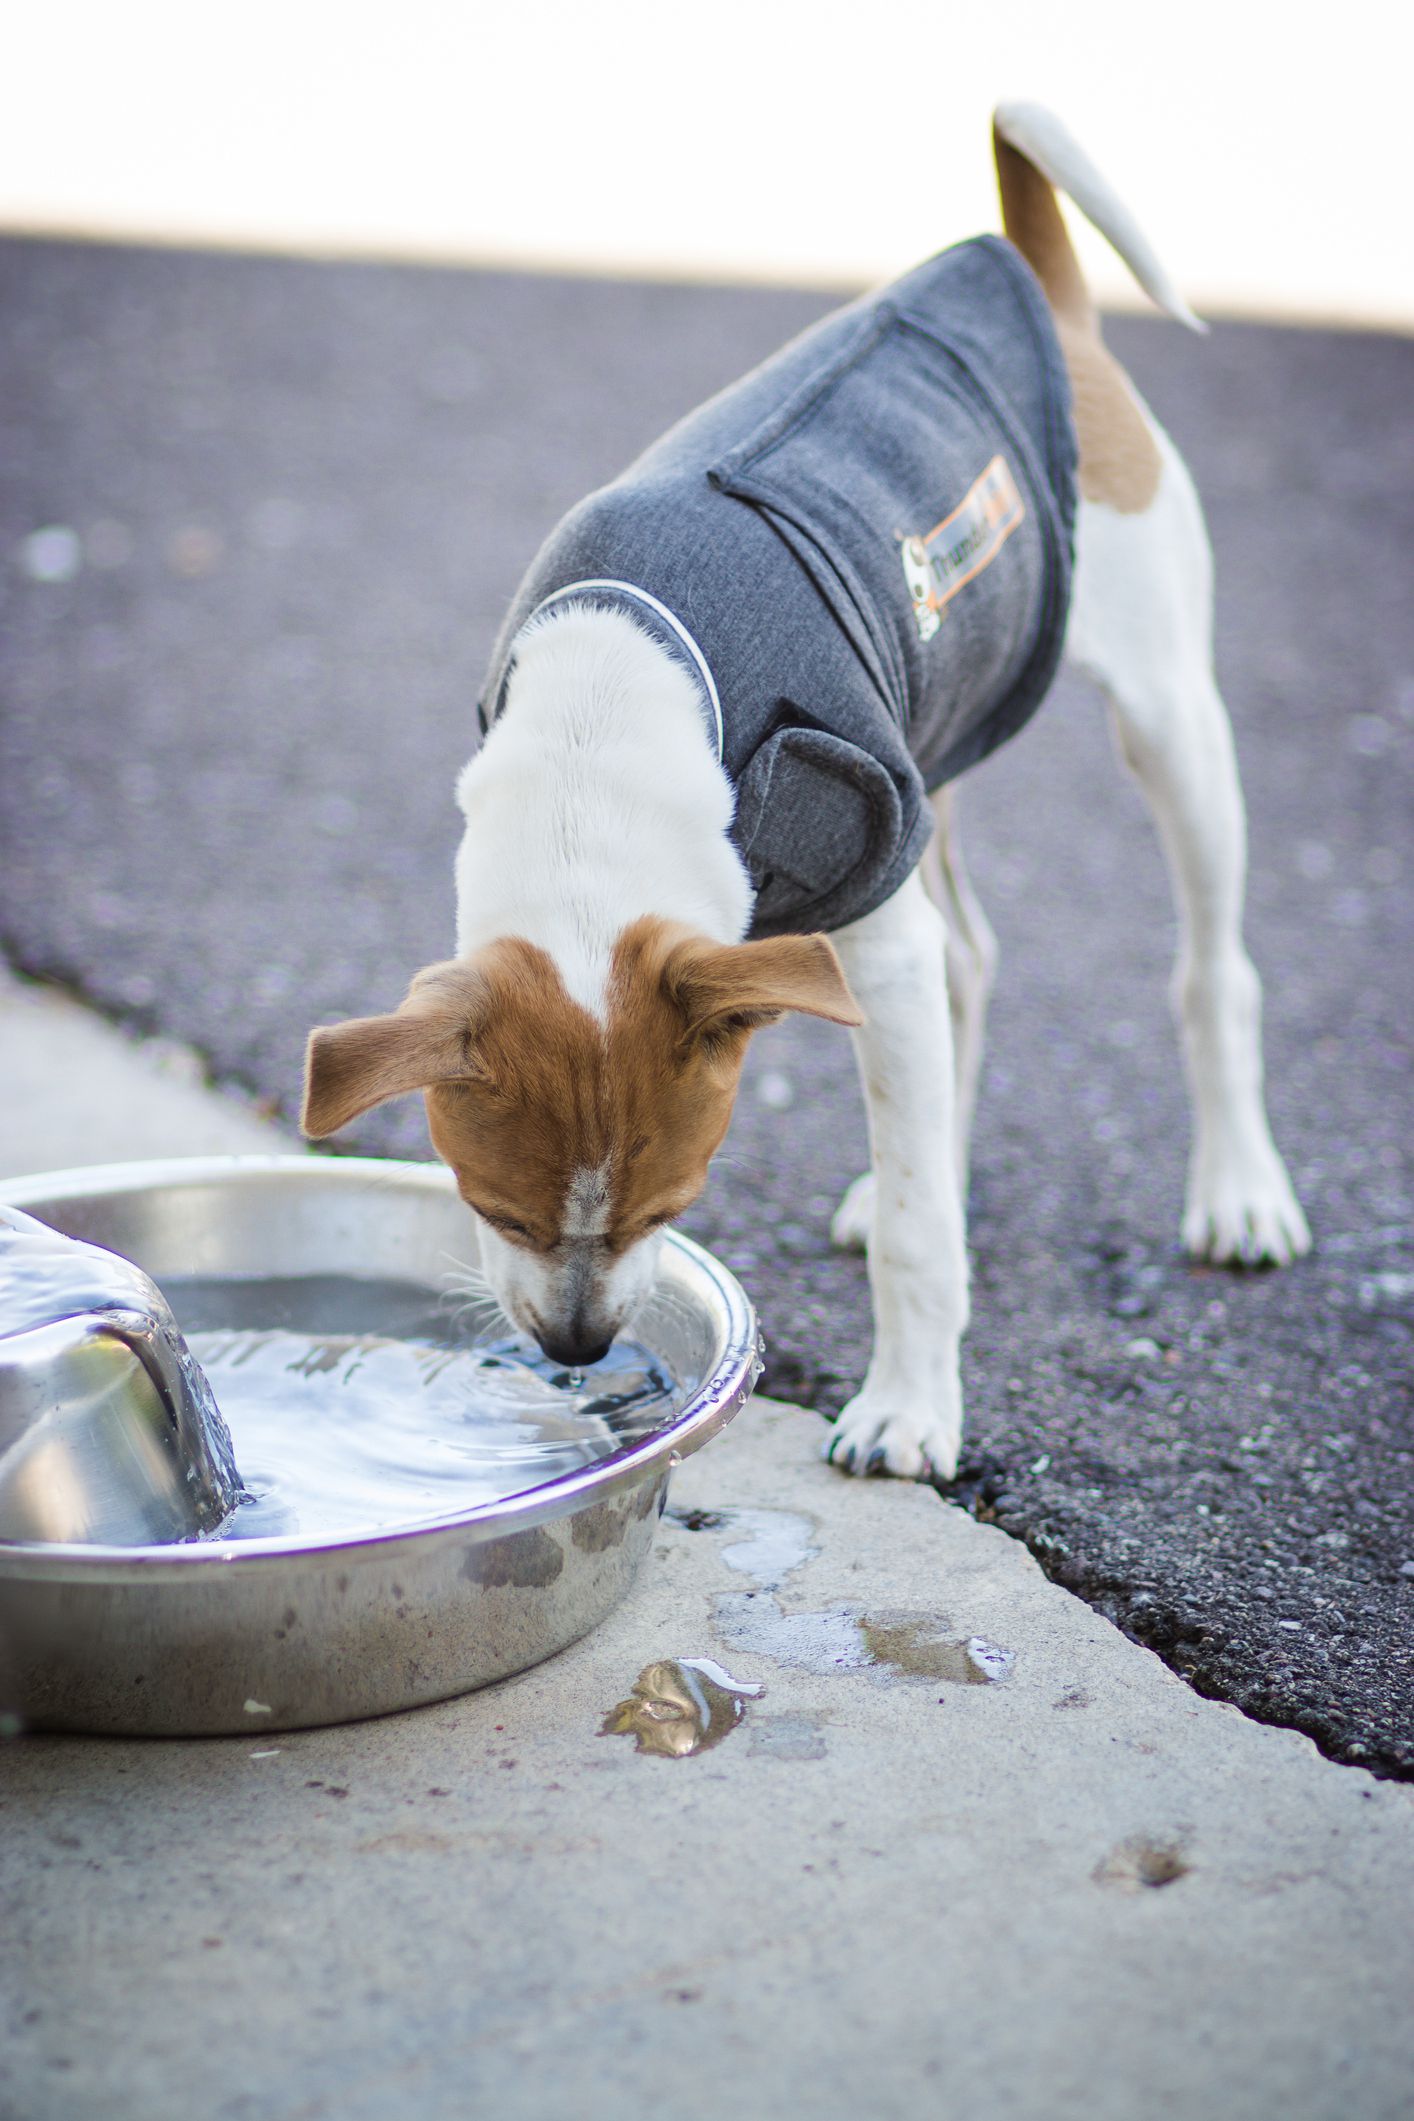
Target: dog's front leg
[(907, 1418)]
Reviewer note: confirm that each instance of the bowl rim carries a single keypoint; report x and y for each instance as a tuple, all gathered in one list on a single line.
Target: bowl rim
[(719, 1396)]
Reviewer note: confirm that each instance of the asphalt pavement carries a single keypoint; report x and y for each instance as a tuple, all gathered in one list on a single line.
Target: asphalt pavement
[(258, 522)]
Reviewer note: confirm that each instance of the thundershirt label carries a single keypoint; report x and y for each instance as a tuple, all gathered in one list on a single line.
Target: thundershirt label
[(954, 552)]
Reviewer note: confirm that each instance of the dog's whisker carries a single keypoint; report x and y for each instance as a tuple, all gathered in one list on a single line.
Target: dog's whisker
[(461, 1274), (458, 1265), (468, 1298), (484, 1317), (472, 1299), (467, 1284)]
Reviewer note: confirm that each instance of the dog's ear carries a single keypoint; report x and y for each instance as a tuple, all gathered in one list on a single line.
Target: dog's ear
[(430, 1038), (726, 988)]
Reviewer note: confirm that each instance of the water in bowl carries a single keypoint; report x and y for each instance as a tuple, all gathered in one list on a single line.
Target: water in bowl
[(356, 1406)]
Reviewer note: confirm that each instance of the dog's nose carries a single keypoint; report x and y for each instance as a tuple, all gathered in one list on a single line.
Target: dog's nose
[(575, 1350)]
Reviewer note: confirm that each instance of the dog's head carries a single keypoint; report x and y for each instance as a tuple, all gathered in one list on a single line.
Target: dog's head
[(575, 1138)]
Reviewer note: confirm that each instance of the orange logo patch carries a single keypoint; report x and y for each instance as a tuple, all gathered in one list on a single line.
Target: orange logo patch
[(953, 552)]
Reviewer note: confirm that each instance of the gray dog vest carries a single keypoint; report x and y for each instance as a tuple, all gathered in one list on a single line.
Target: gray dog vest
[(862, 554)]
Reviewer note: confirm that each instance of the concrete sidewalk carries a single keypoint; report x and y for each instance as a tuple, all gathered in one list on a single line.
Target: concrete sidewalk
[(75, 1090), (1079, 1890)]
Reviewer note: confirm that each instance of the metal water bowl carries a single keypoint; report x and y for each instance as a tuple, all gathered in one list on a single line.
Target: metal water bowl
[(279, 1634)]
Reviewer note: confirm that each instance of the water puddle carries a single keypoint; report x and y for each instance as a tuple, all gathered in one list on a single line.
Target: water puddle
[(680, 1706), (771, 1544), (774, 1543), (846, 1638), (912, 1646)]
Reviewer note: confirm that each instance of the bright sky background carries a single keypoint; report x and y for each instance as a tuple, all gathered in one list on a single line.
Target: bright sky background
[(1264, 147)]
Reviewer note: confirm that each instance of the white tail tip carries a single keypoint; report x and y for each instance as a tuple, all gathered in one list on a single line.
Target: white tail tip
[(1039, 134)]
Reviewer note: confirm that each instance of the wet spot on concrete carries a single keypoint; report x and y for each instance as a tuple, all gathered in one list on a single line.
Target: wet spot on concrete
[(696, 1520), (827, 1641), (1143, 1861), (772, 1545), (787, 1738), (846, 1638), (910, 1643), (526, 1561), (679, 1706), (767, 1545)]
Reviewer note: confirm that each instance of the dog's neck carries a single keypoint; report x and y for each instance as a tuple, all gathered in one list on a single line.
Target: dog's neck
[(595, 800)]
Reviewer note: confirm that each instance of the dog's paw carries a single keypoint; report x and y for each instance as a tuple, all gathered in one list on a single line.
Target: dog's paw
[(878, 1434), (853, 1219), (1241, 1210)]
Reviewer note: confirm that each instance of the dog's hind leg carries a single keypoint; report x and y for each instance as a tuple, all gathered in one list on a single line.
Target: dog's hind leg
[(907, 1417), (970, 962), (1141, 624)]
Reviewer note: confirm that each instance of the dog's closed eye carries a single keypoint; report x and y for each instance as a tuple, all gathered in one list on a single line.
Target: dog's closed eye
[(644, 1224), (505, 1225)]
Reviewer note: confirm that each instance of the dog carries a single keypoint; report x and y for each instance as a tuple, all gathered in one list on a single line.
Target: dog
[(721, 732)]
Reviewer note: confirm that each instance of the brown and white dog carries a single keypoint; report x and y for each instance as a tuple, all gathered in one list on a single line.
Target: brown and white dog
[(580, 1055)]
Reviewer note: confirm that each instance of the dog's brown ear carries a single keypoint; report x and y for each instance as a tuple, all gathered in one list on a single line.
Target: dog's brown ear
[(430, 1038), (728, 987)]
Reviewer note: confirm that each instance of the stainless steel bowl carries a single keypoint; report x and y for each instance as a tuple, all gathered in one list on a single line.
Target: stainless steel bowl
[(279, 1634)]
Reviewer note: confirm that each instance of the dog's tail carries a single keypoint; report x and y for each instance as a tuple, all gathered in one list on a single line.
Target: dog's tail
[(1037, 156)]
